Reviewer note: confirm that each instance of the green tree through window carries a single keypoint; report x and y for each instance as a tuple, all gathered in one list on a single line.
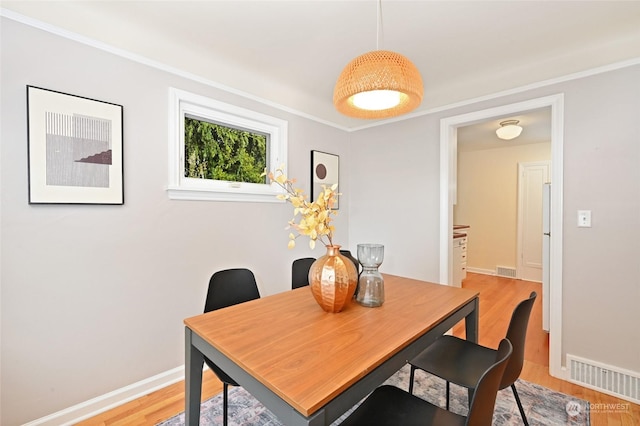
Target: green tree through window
[(214, 151)]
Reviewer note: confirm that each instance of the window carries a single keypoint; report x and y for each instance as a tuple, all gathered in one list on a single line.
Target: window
[(219, 151)]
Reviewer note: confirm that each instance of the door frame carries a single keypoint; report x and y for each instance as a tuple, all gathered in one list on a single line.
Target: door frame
[(448, 194)]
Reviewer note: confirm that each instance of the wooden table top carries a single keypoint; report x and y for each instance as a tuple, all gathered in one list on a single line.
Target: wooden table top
[(308, 356)]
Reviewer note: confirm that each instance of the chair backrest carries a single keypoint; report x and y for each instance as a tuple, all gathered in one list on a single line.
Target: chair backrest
[(227, 288), (230, 287), (484, 397), (300, 272), (355, 261), (517, 335)]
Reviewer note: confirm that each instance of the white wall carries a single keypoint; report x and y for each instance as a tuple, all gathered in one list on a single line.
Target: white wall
[(395, 200), (93, 297), (395, 182), (488, 201), (602, 174)]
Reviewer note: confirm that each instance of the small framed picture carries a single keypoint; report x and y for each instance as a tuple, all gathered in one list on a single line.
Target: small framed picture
[(325, 170), (75, 149)]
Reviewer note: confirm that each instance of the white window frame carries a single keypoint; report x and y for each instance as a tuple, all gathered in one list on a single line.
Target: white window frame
[(183, 103)]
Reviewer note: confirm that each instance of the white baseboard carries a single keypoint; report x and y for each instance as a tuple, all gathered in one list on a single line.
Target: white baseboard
[(100, 404), (491, 272), (481, 271)]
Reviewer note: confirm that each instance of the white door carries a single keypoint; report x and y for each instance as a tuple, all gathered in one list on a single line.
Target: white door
[(531, 180)]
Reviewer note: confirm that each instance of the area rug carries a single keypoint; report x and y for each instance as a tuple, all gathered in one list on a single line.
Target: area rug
[(542, 406)]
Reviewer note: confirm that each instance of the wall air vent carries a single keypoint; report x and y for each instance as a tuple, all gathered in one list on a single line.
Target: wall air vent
[(504, 271), (604, 378)]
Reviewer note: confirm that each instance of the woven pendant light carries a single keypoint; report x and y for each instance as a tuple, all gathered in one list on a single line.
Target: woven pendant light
[(380, 70), (378, 84)]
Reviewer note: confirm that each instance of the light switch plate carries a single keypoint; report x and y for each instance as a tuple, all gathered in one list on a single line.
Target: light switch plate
[(584, 218)]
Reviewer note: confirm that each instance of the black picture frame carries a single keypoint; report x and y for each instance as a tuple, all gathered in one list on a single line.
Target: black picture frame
[(325, 170), (75, 149)]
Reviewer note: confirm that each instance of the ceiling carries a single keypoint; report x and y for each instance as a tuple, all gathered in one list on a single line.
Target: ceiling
[(290, 53), (536, 128)]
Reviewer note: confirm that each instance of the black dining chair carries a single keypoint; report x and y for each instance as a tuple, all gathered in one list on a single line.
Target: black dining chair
[(462, 362), (391, 406), (356, 263), (300, 272), (227, 288)]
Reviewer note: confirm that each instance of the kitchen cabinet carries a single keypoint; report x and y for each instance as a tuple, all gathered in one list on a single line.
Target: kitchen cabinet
[(460, 241), (459, 258)]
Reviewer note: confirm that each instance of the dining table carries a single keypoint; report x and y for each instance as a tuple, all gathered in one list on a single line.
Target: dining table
[(308, 366)]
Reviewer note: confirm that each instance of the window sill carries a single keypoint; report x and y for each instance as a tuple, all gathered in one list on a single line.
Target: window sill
[(196, 194)]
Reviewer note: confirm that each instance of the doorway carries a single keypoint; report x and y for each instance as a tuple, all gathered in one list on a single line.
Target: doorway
[(448, 195)]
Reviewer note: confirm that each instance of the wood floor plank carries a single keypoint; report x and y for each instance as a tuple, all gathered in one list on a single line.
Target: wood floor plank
[(498, 297)]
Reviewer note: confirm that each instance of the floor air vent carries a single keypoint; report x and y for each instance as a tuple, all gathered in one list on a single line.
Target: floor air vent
[(503, 271), (606, 379)]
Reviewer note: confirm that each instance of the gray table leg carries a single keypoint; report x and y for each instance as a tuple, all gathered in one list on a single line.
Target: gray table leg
[(194, 361), (471, 323), (471, 331)]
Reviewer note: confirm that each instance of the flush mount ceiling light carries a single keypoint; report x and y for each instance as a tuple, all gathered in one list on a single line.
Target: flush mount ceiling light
[(509, 129), (378, 84)]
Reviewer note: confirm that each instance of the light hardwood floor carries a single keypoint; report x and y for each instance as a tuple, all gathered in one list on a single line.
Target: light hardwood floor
[(498, 297)]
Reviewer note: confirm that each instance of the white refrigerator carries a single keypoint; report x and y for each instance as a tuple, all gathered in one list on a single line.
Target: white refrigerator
[(546, 244)]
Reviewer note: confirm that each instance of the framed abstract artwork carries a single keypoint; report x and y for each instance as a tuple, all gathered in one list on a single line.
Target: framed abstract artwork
[(325, 170), (75, 149)]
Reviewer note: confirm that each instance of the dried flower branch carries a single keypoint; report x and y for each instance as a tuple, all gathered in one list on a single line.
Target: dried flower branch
[(316, 216)]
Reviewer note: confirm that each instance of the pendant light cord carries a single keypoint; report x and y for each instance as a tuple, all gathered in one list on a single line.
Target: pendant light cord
[(379, 26)]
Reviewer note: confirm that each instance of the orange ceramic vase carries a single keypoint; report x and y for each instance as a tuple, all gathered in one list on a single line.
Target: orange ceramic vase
[(333, 279)]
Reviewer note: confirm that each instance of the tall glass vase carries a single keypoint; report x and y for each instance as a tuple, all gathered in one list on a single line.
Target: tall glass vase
[(333, 279), (370, 284)]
